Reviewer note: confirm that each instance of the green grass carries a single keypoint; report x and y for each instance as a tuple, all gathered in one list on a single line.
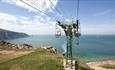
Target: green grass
[(38, 60)]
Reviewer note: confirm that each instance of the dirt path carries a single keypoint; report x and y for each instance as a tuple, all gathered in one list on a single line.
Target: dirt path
[(6, 55)]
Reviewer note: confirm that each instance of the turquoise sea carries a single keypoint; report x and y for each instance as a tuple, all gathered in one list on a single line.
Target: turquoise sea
[(91, 47)]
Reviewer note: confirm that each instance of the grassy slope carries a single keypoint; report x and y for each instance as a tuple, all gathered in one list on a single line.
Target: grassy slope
[(81, 65), (38, 60)]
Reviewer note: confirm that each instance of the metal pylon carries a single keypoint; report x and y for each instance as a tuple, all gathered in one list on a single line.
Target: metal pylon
[(70, 31), (69, 51), (69, 37)]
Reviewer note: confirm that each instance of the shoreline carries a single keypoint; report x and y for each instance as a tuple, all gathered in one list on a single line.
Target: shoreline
[(102, 65)]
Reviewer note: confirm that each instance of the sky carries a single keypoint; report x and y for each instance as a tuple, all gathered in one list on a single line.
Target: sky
[(95, 16)]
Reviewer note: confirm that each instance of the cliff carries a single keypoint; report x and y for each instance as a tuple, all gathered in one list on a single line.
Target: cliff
[(6, 35)]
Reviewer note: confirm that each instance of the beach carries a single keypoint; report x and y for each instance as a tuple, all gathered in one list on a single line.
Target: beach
[(102, 65)]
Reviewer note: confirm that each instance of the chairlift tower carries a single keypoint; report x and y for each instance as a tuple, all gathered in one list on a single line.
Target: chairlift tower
[(70, 30)]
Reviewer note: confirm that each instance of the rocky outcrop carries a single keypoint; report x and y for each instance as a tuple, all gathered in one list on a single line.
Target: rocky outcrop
[(9, 46), (50, 49), (6, 35), (25, 46)]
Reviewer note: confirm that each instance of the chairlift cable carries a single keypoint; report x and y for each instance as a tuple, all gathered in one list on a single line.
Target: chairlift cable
[(77, 9), (56, 9), (36, 8)]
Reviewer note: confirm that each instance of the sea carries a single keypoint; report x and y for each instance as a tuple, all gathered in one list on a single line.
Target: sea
[(90, 48)]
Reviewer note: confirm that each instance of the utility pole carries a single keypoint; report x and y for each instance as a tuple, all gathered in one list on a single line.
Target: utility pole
[(71, 30)]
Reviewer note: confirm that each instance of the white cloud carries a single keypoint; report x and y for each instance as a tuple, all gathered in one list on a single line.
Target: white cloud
[(43, 5), (37, 25), (4, 18), (103, 13), (23, 24), (98, 29)]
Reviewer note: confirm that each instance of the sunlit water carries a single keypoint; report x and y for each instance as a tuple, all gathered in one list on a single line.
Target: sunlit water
[(91, 47)]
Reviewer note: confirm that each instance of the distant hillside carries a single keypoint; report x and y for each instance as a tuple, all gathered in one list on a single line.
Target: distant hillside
[(6, 35)]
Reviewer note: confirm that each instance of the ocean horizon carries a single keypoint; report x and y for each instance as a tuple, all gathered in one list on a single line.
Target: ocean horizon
[(90, 48)]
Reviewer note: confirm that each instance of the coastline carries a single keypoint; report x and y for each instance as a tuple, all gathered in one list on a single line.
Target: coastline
[(102, 65)]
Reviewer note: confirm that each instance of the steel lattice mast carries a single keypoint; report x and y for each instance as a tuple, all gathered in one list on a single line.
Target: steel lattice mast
[(70, 30)]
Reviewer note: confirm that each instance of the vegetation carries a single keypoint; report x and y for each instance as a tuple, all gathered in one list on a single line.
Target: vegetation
[(38, 60), (82, 65)]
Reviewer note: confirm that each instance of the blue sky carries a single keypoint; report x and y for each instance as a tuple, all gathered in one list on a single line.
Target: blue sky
[(96, 16)]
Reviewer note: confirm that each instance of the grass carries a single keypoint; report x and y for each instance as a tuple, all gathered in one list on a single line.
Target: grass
[(6, 55), (82, 65), (38, 60)]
